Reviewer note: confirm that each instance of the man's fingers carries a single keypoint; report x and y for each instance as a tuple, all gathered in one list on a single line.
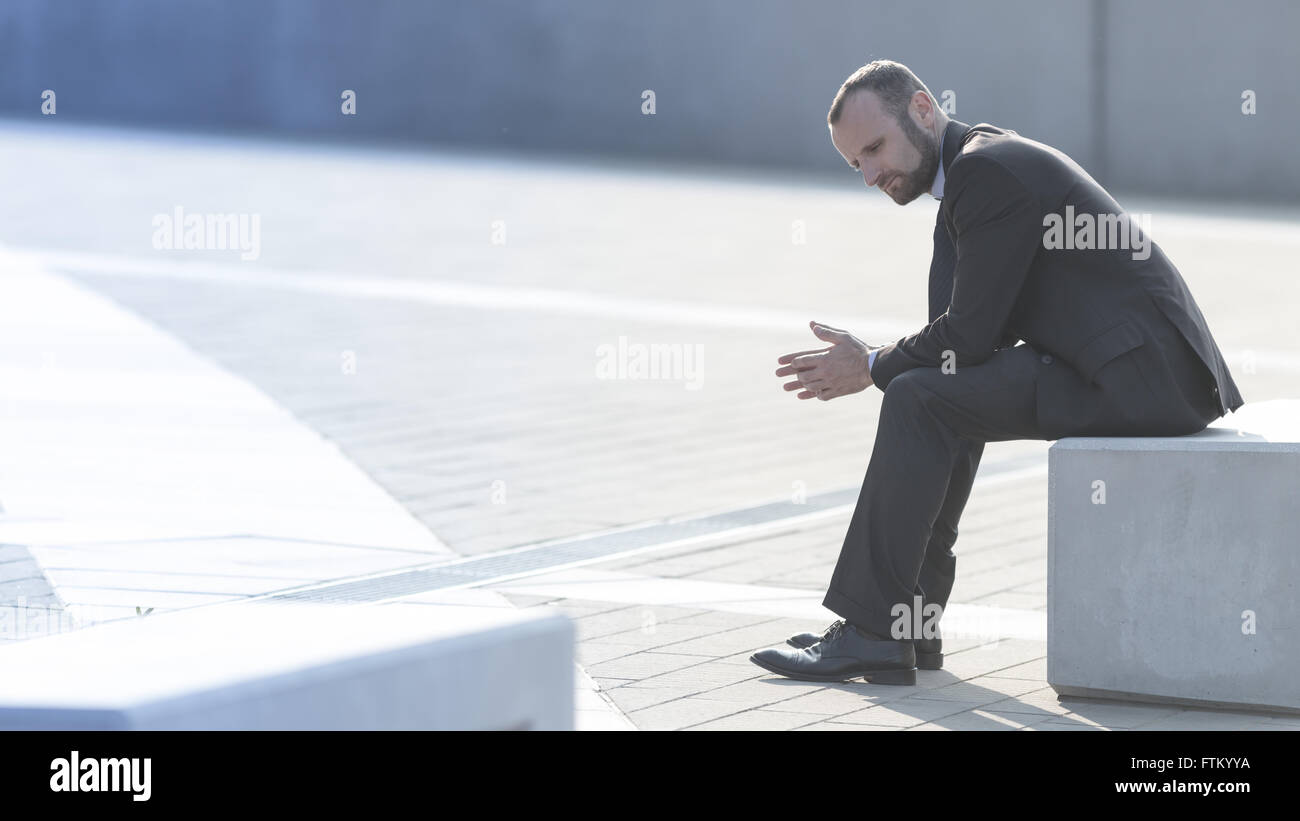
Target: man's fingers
[(808, 361), (818, 392), (794, 363), (788, 370), (785, 360), (810, 383), (829, 334)]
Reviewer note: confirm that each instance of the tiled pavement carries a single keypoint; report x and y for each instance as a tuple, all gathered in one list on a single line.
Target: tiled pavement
[(671, 667), (480, 412), (138, 479)]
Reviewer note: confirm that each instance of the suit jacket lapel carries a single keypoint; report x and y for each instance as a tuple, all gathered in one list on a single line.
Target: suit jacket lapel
[(944, 258), (953, 136), (952, 139)]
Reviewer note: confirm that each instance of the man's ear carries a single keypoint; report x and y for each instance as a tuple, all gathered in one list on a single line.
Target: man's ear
[(923, 106)]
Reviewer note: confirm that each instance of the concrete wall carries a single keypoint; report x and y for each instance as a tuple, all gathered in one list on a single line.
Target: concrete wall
[(1154, 104), (1175, 78)]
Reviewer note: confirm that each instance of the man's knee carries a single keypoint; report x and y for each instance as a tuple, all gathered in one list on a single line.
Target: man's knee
[(908, 387)]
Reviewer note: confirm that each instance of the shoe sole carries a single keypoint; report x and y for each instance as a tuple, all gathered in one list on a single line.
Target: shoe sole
[(906, 678), (924, 661)]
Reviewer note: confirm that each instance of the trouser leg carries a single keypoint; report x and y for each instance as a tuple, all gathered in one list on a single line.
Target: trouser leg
[(939, 567), (928, 421)]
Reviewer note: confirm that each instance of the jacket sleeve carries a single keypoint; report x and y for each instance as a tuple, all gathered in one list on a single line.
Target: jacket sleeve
[(998, 230)]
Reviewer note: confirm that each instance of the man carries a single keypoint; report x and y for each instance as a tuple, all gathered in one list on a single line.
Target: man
[(1113, 345)]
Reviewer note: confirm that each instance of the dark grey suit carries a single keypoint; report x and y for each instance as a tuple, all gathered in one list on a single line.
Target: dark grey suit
[(1113, 346)]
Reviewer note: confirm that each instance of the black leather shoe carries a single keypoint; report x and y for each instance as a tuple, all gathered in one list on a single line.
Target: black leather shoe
[(929, 652), (843, 653), (806, 640)]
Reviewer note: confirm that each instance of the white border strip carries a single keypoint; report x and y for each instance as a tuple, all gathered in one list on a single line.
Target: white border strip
[(523, 298)]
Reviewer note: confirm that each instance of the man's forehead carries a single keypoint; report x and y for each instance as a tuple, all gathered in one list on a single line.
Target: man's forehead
[(861, 118), (863, 105)]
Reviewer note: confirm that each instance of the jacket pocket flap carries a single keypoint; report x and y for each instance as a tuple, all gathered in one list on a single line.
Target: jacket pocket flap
[(1106, 346)]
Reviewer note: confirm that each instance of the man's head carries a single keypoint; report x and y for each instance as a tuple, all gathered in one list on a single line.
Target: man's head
[(885, 124)]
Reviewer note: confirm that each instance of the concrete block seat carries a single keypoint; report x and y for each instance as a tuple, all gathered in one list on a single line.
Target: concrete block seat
[(264, 665), (1174, 564)]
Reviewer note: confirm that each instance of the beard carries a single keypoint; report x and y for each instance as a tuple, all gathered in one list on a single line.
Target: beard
[(918, 182)]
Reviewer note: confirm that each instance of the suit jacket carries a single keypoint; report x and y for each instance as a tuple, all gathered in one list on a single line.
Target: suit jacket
[(1084, 306)]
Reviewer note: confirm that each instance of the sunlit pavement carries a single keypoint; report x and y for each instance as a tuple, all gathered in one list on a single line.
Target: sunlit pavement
[(466, 330)]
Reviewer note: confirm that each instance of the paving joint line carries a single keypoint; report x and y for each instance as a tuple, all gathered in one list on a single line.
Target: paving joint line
[(709, 529)]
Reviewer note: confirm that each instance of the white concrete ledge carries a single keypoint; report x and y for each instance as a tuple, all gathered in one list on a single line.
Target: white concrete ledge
[(1174, 566), (260, 665)]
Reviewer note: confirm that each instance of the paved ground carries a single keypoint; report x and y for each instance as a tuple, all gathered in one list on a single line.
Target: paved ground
[(461, 373), (140, 479)]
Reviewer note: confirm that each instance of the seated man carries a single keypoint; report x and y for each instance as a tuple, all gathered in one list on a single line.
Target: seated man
[(1113, 345)]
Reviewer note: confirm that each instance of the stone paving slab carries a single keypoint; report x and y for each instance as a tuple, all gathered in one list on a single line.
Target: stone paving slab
[(907, 712)]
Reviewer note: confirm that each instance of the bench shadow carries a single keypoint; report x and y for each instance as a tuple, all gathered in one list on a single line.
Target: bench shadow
[(941, 700)]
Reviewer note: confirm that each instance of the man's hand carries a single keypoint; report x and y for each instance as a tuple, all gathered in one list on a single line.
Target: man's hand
[(827, 373)]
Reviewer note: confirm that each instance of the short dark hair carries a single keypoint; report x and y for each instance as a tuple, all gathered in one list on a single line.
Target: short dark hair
[(894, 83)]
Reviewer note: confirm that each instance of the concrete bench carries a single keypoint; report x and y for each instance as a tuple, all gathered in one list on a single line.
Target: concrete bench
[(1174, 564), (264, 666)]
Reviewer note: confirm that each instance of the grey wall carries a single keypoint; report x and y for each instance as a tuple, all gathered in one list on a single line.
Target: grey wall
[(1145, 95), (1173, 90)]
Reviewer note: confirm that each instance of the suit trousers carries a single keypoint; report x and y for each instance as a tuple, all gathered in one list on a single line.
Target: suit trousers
[(930, 438)]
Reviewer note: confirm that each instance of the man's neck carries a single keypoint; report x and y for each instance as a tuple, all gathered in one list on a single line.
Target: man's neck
[(941, 128)]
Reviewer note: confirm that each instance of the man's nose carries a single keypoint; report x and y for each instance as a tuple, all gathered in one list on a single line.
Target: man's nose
[(870, 175)]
